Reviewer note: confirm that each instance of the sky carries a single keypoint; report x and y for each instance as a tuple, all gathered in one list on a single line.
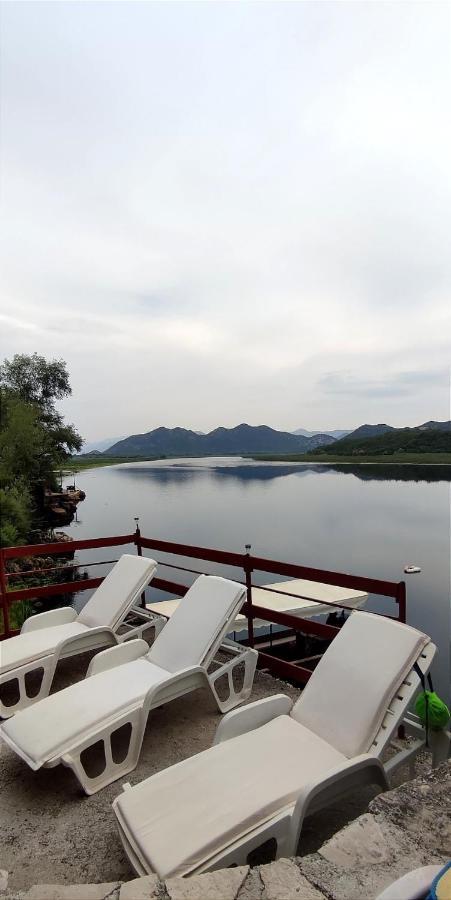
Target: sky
[(225, 212)]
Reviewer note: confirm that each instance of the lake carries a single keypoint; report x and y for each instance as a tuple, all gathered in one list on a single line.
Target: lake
[(366, 520)]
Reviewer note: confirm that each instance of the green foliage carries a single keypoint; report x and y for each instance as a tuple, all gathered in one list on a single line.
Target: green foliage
[(398, 441), (35, 380), (15, 513), (18, 612), (34, 440)]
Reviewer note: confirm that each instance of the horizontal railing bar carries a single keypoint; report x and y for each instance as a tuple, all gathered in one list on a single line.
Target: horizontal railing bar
[(340, 579), (68, 547), (172, 587), (283, 668), (85, 565), (307, 626), (49, 590), (243, 560), (220, 556)]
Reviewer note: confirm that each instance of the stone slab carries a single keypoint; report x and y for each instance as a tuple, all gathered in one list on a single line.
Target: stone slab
[(362, 843), (223, 884), (3, 880), (404, 829), (146, 888), (106, 891), (282, 880)]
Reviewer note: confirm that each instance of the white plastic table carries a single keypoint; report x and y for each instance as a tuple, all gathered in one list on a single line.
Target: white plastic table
[(314, 597)]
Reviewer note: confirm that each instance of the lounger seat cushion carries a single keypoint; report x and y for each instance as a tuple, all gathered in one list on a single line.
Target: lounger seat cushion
[(38, 734), (182, 816), (24, 648)]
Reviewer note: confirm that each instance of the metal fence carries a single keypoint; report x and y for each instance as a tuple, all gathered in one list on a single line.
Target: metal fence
[(245, 562)]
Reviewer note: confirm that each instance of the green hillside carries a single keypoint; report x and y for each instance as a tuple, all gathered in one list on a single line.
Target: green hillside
[(399, 440)]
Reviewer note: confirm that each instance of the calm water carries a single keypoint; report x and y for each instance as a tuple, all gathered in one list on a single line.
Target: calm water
[(364, 520)]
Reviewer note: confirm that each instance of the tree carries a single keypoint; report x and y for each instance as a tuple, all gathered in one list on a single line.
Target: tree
[(34, 440), (35, 380)]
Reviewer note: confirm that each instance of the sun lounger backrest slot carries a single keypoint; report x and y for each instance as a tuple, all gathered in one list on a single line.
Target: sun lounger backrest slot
[(347, 697), (198, 624), (115, 596)]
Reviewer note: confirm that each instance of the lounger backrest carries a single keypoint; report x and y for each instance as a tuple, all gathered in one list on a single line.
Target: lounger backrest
[(196, 628), (347, 696), (115, 596)]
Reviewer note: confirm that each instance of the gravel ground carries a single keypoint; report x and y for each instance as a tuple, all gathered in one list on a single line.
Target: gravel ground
[(51, 832)]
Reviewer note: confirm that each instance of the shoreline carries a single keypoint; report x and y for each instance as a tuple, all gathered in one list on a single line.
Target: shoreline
[(407, 459)]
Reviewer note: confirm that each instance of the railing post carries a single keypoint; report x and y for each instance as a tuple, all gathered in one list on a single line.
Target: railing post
[(5, 609), (250, 616), (139, 551), (401, 599)]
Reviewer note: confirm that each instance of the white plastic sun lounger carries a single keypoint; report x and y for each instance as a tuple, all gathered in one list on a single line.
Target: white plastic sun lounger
[(125, 683), (50, 636), (273, 762)]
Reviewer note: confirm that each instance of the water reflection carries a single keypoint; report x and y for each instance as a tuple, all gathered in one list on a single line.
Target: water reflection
[(254, 471), (362, 519)]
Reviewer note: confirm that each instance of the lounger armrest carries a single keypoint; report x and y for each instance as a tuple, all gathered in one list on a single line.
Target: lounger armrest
[(365, 768), (239, 721), (117, 656), (47, 619)]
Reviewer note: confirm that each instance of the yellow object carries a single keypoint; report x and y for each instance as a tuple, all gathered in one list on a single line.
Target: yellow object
[(443, 888)]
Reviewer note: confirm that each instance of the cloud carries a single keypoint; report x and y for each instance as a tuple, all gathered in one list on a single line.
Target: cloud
[(229, 213), (397, 384)]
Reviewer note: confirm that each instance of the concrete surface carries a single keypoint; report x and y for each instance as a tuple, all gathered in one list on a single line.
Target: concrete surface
[(58, 844), (358, 863), (52, 833)]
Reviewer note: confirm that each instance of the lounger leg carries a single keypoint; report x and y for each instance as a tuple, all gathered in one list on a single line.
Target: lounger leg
[(112, 769), (249, 658), (48, 670)]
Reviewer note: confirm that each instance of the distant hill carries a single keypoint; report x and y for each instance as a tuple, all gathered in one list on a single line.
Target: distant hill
[(103, 444), (335, 434), (242, 439), (368, 431), (432, 437), (435, 426)]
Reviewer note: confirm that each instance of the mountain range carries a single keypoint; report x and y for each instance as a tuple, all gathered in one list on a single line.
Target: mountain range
[(248, 439), (242, 439)]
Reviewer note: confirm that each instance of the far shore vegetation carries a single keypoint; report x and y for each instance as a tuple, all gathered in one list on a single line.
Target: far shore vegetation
[(426, 459), (79, 463)]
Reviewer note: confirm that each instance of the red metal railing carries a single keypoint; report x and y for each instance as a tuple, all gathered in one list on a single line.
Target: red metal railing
[(244, 561)]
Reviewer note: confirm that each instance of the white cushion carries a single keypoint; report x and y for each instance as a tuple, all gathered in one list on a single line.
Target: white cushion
[(198, 624), (347, 696), (30, 646), (180, 817), (53, 725), (115, 596)]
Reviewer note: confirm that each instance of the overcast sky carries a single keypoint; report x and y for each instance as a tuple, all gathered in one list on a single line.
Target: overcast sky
[(228, 212)]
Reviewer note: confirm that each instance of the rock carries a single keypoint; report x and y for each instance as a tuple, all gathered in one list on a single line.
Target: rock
[(3, 880), (252, 888), (224, 884), (421, 808), (362, 843), (106, 891), (404, 829), (282, 880), (146, 888)]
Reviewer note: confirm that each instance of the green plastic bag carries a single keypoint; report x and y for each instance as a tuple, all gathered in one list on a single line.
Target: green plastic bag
[(437, 711)]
